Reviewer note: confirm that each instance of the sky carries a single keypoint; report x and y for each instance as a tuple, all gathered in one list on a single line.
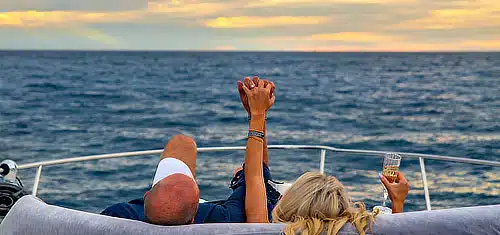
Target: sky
[(260, 25)]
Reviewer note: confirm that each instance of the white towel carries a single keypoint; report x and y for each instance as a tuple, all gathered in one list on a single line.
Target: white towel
[(170, 166)]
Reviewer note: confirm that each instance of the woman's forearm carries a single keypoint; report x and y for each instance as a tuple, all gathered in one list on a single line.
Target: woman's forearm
[(255, 198), (265, 157), (397, 207)]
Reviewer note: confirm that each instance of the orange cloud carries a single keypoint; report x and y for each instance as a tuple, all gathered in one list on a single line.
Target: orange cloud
[(262, 22), (383, 47), (482, 44), (68, 22), (355, 37), (41, 18), (450, 15), (275, 3), (471, 14), (8, 20), (190, 9)]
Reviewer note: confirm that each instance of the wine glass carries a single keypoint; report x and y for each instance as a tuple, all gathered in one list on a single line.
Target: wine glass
[(390, 170)]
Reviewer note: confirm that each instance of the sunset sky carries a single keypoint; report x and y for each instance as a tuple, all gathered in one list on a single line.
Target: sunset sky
[(277, 25)]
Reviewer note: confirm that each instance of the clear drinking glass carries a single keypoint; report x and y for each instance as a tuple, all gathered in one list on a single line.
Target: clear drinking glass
[(391, 167)]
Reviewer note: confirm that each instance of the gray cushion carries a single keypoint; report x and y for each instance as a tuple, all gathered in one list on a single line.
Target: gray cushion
[(32, 216)]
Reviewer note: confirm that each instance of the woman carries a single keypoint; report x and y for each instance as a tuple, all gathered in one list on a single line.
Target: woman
[(315, 203)]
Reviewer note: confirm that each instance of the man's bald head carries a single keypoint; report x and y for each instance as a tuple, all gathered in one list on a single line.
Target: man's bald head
[(172, 201)]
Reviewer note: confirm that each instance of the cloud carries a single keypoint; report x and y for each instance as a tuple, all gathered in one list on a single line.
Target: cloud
[(381, 47), (39, 19), (68, 23), (72, 5), (372, 42), (299, 3), (321, 25), (355, 37), (350, 37), (97, 36), (482, 44), (457, 15), (191, 9), (262, 22), (453, 19)]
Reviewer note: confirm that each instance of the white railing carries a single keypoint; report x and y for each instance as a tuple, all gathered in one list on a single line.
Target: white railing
[(323, 149)]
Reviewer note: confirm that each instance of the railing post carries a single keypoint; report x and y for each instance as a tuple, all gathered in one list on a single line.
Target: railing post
[(322, 161), (37, 180), (424, 181)]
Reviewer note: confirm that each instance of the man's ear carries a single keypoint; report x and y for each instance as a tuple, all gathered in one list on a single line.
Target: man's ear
[(146, 194)]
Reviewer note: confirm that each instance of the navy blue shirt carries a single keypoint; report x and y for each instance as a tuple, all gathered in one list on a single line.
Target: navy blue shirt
[(231, 210)]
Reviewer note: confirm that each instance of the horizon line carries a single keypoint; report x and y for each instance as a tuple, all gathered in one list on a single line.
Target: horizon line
[(240, 51)]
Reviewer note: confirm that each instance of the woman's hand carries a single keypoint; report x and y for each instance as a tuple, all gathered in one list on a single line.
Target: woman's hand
[(397, 191), (260, 96)]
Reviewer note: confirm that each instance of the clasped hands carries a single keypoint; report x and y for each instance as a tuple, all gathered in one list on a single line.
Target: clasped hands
[(257, 95)]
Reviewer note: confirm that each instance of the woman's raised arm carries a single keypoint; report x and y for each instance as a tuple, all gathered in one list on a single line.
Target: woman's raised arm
[(260, 100)]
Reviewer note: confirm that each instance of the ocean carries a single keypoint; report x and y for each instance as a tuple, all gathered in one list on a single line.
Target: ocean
[(59, 104)]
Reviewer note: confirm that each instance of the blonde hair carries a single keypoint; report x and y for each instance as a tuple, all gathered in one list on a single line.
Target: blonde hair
[(317, 203)]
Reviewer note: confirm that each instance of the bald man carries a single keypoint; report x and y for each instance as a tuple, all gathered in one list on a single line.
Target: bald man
[(174, 196)]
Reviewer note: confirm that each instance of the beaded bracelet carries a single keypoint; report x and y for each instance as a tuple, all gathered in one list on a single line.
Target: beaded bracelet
[(254, 133)]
